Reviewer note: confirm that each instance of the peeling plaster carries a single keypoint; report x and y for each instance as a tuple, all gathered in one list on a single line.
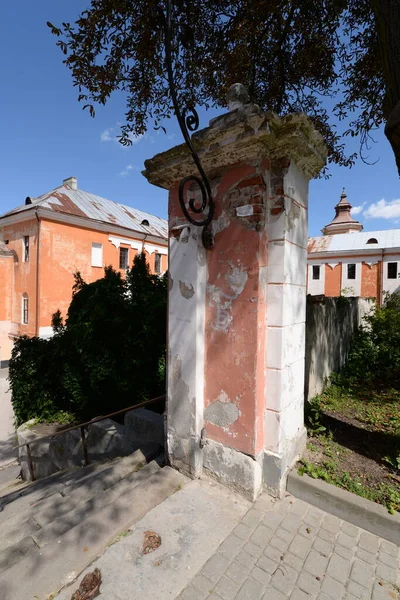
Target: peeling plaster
[(187, 291), (293, 215), (237, 279), (180, 406), (221, 223), (184, 235), (222, 414), (224, 304)]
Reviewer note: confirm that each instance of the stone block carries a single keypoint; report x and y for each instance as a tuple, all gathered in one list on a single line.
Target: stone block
[(282, 452), (233, 468), (106, 439), (286, 304), (50, 455), (143, 426), (285, 345)]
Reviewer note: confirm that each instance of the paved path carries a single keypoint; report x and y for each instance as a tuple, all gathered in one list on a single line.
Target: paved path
[(7, 431), (299, 552)]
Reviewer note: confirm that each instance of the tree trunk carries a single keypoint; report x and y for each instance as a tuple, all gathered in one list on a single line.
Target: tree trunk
[(387, 20)]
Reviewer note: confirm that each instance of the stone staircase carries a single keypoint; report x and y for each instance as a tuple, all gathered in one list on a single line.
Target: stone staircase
[(50, 530)]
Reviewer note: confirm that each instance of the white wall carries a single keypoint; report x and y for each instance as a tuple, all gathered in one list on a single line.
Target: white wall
[(315, 287), (352, 287), (391, 285)]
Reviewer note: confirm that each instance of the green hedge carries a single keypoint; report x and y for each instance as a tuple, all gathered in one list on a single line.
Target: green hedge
[(109, 353), (375, 353)]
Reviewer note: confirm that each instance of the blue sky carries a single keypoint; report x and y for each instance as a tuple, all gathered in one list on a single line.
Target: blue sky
[(46, 137)]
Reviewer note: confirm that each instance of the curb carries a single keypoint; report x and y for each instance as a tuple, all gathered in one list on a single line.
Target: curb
[(347, 506)]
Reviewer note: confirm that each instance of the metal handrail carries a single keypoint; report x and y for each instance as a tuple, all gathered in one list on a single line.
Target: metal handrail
[(81, 426)]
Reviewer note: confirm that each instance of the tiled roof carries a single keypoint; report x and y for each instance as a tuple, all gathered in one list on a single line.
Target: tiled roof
[(66, 200), (342, 242)]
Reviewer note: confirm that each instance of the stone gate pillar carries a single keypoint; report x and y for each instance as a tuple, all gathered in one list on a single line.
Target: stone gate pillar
[(236, 314)]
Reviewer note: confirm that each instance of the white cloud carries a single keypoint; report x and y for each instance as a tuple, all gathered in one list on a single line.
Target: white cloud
[(128, 169), (136, 138), (106, 136), (383, 210), (111, 135), (356, 210)]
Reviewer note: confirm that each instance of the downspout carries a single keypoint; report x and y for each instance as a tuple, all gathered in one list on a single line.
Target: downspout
[(37, 273)]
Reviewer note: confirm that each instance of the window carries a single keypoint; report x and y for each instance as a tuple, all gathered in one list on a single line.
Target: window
[(26, 248), (25, 309), (392, 270), (316, 272), (97, 255), (372, 241), (157, 263), (123, 258), (351, 271)]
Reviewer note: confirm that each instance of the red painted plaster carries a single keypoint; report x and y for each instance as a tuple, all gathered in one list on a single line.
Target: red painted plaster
[(233, 355), (333, 278)]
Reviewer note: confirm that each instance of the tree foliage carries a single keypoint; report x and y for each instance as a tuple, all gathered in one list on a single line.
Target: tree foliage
[(292, 56), (109, 353), (375, 353)]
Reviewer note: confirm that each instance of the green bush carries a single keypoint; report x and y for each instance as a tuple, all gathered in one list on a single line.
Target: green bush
[(375, 352), (109, 353)]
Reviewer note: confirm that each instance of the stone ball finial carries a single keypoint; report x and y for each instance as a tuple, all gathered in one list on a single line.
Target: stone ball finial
[(237, 96)]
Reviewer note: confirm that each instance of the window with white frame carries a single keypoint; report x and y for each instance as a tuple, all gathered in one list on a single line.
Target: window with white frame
[(392, 270), (97, 255), (316, 272), (26, 248), (25, 309), (123, 258), (351, 271)]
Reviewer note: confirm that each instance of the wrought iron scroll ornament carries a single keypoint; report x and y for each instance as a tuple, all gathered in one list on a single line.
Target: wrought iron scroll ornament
[(189, 121)]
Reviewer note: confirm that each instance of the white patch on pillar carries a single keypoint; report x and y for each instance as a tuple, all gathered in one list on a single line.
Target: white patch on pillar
[(186, 322), (285, 337)]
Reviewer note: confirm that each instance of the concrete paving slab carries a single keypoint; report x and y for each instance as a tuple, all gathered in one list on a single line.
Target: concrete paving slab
[(192, 524)]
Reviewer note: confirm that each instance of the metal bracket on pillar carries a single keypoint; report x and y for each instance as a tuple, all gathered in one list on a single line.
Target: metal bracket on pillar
[(189, 121)]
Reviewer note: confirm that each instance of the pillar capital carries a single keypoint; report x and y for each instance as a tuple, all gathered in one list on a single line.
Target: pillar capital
[(241, 135)]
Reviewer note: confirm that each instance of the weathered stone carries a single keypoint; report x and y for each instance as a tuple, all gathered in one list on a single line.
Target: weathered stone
[(50, 455), (107, 439), (143, 426), (233, 468)]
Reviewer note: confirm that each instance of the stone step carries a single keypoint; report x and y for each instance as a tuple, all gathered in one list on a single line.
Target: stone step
[(43, 571), (62, 514), (81, 482)]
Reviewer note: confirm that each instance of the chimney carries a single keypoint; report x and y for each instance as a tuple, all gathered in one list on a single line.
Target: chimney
[(72, 182)]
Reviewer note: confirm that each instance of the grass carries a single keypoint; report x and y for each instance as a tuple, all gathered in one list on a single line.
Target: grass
[(62, 417), (375, 409), (354, 442)]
